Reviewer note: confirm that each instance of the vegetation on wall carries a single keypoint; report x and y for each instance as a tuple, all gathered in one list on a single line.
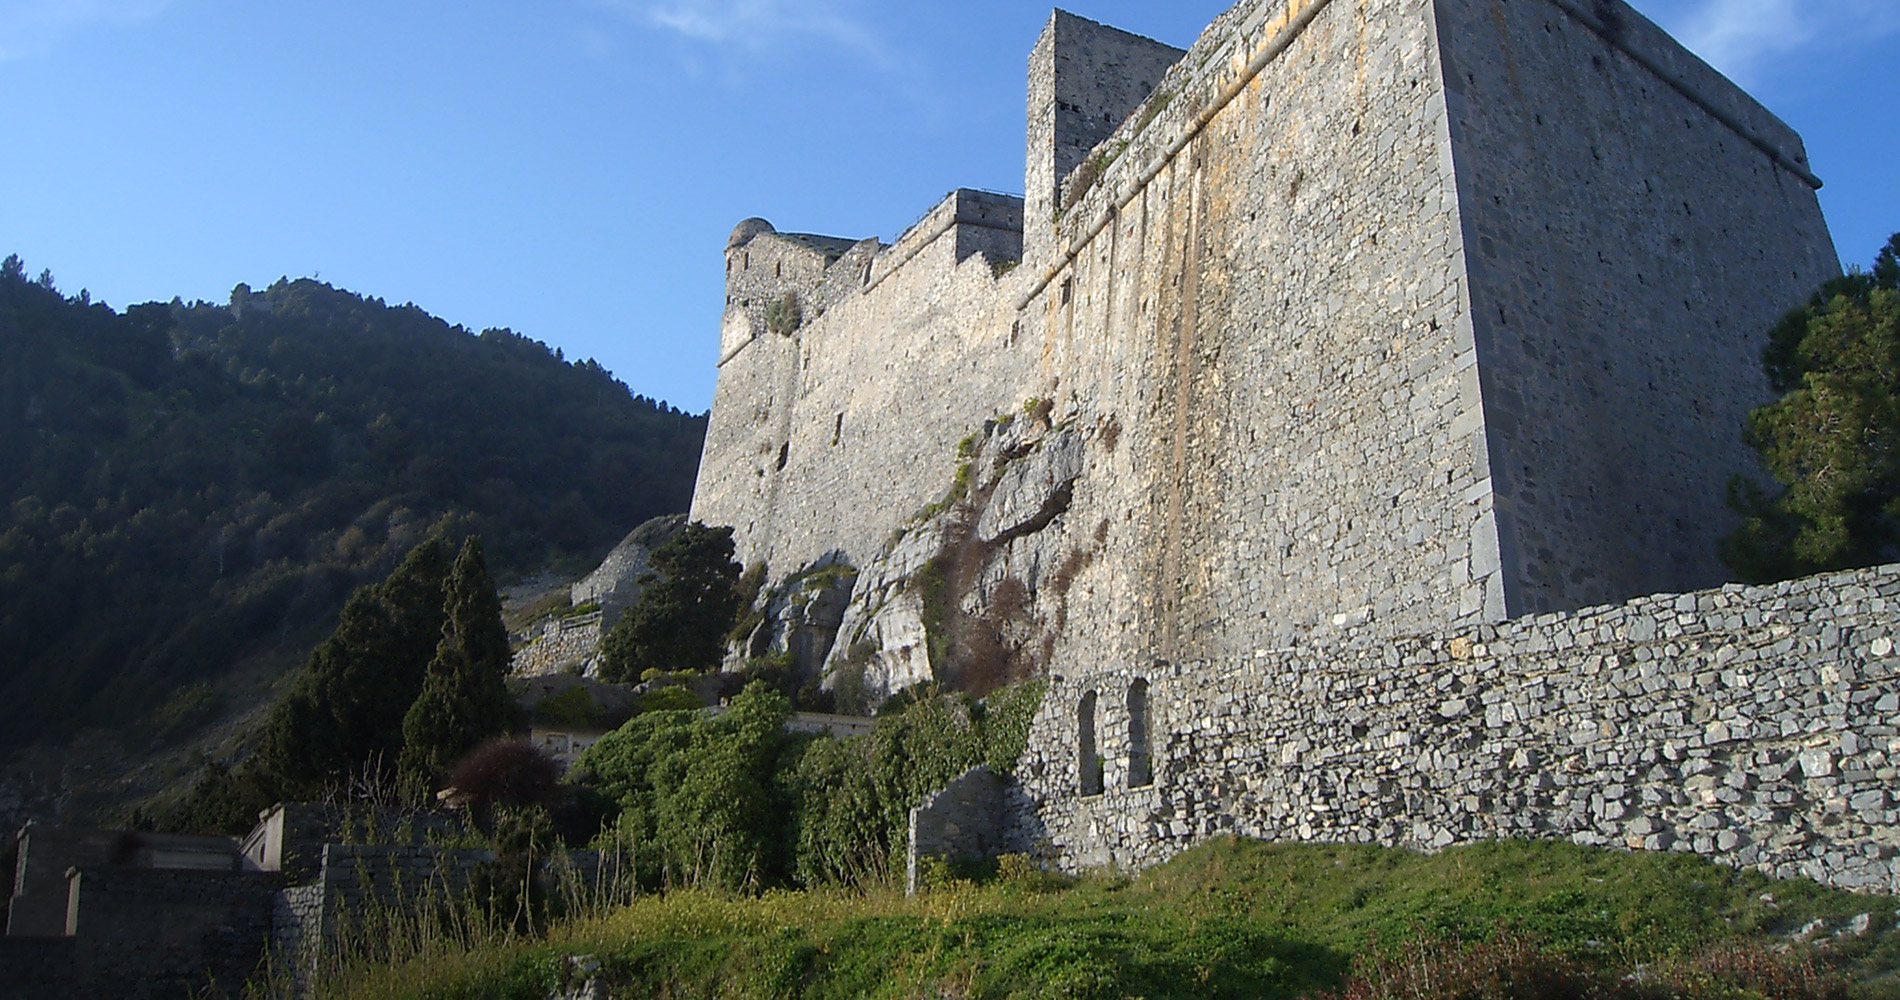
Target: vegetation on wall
[(1832, 441), (189, 487)]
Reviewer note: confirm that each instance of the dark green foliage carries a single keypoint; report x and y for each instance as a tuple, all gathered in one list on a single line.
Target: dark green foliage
[(685, 612), (751, 583), (506, 773), (699, 800), (464, 699), (573, 708), (344, 713), (1832, 441), (190, 486), (221, 802), (732, 800), (671, 698), (1515, 966)]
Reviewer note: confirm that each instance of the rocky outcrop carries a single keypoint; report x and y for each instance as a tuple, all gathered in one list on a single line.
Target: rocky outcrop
[(974, 590)]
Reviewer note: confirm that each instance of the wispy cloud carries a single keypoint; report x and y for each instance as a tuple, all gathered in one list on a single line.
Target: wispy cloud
[(32, 26), (748, 27), (1745, 38)]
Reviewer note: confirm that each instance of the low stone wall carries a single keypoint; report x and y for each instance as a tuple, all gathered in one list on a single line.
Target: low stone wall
[(169, 933), (356, 878), (565, 645), (964, 819), (1753, 725)]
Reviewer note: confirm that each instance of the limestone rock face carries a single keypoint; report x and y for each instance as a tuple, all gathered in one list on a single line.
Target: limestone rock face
[(973, 592), (800, 619)]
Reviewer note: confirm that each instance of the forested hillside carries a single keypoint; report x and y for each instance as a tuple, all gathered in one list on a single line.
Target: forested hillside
[(189, 485)]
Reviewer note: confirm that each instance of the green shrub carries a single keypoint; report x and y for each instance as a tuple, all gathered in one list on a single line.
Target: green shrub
[(573, 708), (783, 315)]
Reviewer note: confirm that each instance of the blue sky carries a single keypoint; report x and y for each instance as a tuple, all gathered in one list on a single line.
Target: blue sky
[(570, 168)]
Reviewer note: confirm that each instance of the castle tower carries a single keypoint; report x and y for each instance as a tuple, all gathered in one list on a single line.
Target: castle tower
[(1084, 81)]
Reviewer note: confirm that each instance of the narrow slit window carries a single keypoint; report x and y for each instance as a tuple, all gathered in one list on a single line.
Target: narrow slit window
[(1140, 759), (1088, 759)]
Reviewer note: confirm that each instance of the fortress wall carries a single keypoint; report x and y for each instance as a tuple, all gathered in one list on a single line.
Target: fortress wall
[(1084, 80), (867, 401), (1276, 318), (1631, 250), (1753, 725)]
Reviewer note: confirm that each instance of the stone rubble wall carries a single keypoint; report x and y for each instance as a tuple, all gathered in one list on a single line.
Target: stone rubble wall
[(297, 931), (164, 933), (1758, 726), (35, 968), (960, 820), (565, 645), (358, 878)]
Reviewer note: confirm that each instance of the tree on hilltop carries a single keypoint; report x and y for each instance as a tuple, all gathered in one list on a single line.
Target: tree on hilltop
[(688, 605), (464, 699), (1832, 441)]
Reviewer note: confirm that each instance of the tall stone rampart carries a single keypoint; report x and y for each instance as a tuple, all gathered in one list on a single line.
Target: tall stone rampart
[(1372, 318), (1633, 224), (816, 421), (1759, 726)]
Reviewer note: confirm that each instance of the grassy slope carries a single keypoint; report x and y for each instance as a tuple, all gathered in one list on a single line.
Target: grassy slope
[(1229, 919)]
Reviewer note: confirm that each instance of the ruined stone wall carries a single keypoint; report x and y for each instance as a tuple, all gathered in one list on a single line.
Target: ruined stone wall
[(963, 819), (565, 645), (1636, 224), (146, 934), (37, 968), (1759, 726)]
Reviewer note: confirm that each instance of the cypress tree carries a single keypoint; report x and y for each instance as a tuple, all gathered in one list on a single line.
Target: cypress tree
[(464, 699), (345, 712)]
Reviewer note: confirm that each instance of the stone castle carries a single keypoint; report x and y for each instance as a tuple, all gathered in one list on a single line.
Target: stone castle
[(1314, 422)]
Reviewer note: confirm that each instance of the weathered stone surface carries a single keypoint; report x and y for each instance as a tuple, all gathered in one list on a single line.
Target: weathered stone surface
[(1374, 324), (1330, 742)]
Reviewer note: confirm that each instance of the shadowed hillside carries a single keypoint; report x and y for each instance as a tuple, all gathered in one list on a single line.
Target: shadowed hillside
[(193, 487)]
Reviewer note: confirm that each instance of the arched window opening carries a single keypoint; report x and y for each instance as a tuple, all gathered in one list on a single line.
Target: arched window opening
[(1088, 760), (1140, 767)]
